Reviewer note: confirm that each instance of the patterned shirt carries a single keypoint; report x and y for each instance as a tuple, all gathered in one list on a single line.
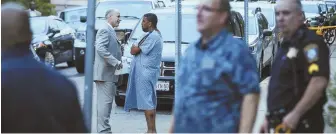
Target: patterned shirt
[(212, 83)]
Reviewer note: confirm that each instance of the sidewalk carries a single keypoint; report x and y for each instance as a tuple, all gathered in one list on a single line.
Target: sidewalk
[(262, 102)]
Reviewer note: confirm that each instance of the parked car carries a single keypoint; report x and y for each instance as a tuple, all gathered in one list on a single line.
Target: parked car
[(260, 36), (311, 9), (53, 40), (166, 25), (129, 19), (71, 16)]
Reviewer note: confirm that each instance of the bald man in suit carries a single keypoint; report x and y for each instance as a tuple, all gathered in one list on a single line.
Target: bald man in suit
[(35, 99)]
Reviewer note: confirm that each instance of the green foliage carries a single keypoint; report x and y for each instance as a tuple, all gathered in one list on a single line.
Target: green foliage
[(43, 6), (331, 92)]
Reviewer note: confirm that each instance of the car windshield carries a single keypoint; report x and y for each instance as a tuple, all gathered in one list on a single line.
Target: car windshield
[(310, 8), (166, 22), (38, 26), (270, 16), (74, 16), (126, 8), (252, 26)]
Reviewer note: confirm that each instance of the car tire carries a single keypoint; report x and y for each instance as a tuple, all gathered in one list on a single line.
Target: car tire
[(261, 64), (79, 64), (71, 63), (49, 59), (119, 101)]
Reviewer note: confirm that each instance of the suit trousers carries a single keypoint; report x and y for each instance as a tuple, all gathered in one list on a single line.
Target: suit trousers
[(105, 96)]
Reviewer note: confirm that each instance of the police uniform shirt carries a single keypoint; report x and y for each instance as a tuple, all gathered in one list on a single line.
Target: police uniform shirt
[(307, 55)]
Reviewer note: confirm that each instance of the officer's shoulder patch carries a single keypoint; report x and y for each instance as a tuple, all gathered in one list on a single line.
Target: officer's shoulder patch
[(311, 52), (313, 68)]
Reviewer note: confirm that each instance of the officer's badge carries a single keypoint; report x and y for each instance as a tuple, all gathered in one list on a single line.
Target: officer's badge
[(292, 53), (311, 52), (313, 68)]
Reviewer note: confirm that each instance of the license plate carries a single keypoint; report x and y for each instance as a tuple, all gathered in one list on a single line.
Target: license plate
[(162, 86)]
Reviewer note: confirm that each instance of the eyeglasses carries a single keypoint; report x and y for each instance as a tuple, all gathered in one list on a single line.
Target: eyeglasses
[(208, 9)]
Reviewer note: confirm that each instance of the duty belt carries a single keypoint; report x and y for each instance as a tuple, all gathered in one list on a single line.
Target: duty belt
[(275, 118)]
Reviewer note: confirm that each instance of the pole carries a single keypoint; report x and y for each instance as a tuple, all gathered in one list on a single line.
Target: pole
[(89, 64), (177, 41), (246, 21)]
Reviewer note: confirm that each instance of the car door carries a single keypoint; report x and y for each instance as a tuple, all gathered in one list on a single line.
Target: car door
[(67, 40), (263, 25), (56, 39)]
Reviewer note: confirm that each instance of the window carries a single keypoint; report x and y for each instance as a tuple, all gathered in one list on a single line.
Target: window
[(263, 20), (74, 16), (53, 25), (166, 22), (310, 8), (61, 25), (252, 26), (38, 26)]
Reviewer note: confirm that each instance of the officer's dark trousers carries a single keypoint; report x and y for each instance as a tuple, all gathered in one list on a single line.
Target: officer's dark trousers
[(316, 125)]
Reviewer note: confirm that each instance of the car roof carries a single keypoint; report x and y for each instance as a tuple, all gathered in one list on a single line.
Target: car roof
[(125, 0), (171, 10), (74, 8), (47, 18), (311, 2)]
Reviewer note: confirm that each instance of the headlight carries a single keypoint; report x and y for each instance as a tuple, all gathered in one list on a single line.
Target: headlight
[(81, 36), (47, 42), (41, 44)]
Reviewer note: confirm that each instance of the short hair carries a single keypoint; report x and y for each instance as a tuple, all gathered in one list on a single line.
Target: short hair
[(224, 5), (298, 5), (110, 12), (15, 21), (151, 17)]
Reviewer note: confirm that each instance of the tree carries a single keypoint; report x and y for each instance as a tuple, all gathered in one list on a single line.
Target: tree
[(43, 6)]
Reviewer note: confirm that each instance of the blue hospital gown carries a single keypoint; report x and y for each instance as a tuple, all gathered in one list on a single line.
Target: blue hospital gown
[(212, 84), (144, 73)]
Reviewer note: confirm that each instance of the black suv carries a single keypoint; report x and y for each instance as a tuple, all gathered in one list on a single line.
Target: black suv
[(166, 17), (53, 40)]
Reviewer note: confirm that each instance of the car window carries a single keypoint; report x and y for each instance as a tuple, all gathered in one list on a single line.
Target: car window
[(263, 20), (241, 23), (60, 24), (252, 26), (310, 8), (38, 26), (74, 16), (269, 14), (53, 24), (238, 25), (166, 22)]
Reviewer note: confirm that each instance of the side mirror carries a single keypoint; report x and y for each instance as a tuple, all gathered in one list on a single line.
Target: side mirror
[(50, 35), (127, 35), (62, 16), (56, 31), (267, 32), (83, 19), (161, 4)]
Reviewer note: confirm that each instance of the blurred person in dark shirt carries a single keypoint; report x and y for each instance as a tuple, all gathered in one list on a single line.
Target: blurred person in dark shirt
[(34, 98)]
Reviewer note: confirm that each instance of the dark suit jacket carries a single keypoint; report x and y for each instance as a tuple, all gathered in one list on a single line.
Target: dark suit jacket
[(35, 98)]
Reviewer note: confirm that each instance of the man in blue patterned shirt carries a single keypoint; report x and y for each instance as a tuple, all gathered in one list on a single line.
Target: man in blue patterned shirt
[(218, 89)]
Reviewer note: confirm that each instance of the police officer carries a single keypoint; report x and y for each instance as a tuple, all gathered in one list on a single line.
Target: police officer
[(300, 74)]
